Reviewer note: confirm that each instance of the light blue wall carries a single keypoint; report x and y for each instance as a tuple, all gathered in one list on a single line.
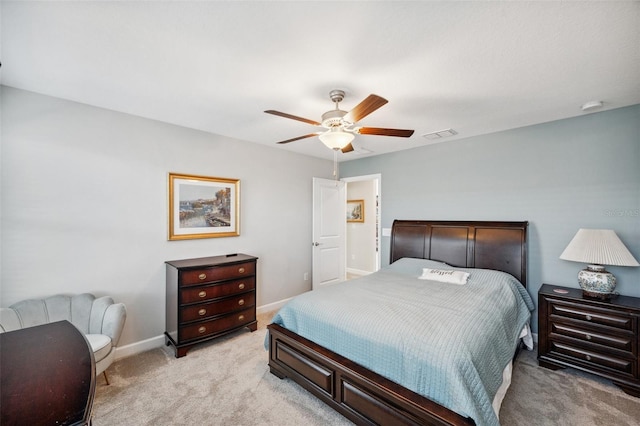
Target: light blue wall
[(560, 176)]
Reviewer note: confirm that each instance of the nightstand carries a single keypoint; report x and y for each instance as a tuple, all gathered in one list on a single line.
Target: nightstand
[(595, 336)]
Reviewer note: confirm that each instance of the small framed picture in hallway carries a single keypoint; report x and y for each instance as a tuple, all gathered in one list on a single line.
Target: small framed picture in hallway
[(355, 210)]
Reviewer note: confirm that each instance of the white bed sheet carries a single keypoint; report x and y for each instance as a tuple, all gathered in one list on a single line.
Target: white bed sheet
[(527, 338)]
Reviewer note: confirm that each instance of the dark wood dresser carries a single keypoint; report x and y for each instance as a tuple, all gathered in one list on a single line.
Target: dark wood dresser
[(208, 297), (596, 336)]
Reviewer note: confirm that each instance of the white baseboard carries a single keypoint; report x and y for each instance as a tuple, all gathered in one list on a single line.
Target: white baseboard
[(158, 341), (358, 271), (139, 347), (272, 306)]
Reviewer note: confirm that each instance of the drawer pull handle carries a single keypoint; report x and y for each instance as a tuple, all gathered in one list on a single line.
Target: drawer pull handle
[(588, 336), (202, 329), (241, 286), (241, 302), (241, 318), (241, 270), (588, 357), (588, 317), (202, 312), (202, 294), (202, 276)]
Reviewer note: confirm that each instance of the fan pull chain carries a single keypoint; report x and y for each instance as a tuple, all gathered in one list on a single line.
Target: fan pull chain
[(335, 164)]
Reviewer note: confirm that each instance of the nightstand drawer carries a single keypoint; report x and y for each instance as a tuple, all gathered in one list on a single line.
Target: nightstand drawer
[(590, 336), (593, 358), (592, 315)]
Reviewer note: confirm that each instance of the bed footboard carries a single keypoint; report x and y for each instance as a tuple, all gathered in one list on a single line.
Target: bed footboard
[(359, 394)]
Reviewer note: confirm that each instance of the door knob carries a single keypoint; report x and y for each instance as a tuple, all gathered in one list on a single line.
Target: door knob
[(315, 244)]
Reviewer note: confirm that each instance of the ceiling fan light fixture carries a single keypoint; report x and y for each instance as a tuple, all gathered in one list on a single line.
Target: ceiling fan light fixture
[(336, 139), (340, 124)]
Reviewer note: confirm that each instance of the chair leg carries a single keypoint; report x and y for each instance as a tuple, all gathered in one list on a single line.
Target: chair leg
[(104, 373)]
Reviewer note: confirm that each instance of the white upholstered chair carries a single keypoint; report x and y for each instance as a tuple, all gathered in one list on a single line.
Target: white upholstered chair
[(100, 320)]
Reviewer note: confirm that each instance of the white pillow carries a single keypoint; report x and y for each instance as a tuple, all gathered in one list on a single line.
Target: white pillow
[(444, 276)]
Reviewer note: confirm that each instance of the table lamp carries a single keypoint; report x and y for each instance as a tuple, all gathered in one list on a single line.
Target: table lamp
[(598, 247)]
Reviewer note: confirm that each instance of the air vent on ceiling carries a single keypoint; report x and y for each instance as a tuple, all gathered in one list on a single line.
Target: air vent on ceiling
[(362, 150), (440, 134)]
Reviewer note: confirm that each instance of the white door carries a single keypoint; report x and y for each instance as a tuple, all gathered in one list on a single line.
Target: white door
[(329, 230)]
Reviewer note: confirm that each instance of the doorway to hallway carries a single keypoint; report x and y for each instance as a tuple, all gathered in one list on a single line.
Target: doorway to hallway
[(363, 236)]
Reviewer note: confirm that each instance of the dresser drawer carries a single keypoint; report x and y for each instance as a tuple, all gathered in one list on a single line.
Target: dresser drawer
[(209, 292), (215, 326), (220, 307), (594, 359), (624, 343), (204, 275), (592, 315)]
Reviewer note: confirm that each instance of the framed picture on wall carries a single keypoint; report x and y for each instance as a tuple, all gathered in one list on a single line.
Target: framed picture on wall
[(203, 207), (355, 210)]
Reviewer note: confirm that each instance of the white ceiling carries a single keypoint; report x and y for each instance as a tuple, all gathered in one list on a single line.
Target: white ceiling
[(477, 67)]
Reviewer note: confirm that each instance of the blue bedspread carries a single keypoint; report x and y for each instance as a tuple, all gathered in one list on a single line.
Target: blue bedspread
[(447, 342)]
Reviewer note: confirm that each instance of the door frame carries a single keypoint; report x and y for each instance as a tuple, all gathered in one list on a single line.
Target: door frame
[(378, 178)]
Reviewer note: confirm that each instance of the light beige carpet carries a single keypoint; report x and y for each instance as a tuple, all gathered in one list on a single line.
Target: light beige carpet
[(227, 382), (541, 397)]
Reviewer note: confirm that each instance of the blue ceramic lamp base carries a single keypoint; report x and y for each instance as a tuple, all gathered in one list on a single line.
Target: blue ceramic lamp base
[(596, 282)]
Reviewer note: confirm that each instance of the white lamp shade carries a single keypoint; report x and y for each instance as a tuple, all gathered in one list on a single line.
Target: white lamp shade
[(598, 247), (336, 139)]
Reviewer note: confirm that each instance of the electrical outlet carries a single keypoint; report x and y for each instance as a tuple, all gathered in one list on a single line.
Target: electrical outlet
[(306, 276)]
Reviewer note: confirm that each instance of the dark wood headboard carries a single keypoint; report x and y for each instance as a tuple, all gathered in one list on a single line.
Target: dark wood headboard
[(477, 244)]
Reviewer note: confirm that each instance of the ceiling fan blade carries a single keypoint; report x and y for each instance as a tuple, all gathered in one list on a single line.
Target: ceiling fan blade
[(401, 133), (364, 108), (301, 137), (347, 148), (293, 117)]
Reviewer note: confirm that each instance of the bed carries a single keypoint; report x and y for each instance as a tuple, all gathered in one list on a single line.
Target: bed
[(366, 389)]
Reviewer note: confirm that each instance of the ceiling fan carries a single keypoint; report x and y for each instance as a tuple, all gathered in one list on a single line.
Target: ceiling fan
[(341, 125)]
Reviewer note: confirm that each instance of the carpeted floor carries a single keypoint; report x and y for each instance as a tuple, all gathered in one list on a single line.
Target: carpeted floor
[(227, 382), (542, 397)]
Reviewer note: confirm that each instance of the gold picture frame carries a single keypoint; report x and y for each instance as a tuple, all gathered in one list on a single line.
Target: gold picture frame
[(355, 210), (203, 207)]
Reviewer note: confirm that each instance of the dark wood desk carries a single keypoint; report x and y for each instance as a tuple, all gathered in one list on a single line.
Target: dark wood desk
[(47, 376)]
